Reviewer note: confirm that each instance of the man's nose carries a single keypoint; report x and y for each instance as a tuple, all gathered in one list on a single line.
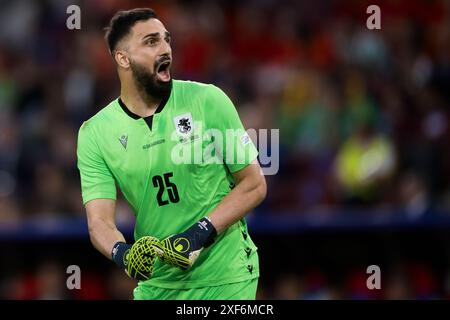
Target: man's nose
[(166, 49)]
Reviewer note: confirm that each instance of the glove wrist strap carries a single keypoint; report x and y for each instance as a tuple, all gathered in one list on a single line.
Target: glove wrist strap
[(119, 252), (208, 231)]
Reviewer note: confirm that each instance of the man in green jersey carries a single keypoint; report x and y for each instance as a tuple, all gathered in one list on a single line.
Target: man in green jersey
[(180, 155)]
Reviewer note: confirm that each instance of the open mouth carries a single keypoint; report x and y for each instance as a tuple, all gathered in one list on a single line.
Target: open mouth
[(162, 71)]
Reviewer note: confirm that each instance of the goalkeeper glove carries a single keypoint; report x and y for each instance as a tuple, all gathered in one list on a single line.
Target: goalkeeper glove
[(181, 250), (137, 260)]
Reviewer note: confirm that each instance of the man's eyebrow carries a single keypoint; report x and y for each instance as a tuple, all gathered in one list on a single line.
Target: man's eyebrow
[(167, 34), (151, 35)]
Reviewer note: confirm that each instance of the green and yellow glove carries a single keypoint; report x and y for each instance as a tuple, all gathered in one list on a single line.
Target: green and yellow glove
[(181, 250), (137, 260)]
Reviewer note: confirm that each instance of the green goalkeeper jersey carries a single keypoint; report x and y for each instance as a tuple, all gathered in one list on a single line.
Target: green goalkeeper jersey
[(174, 168)]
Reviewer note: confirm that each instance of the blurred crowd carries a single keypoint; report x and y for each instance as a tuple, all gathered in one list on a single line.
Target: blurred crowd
[(416, 281), (363, 114), (408, 282), (324, 267)]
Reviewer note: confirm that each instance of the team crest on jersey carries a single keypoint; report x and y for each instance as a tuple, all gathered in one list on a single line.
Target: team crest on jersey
[(184, 124)]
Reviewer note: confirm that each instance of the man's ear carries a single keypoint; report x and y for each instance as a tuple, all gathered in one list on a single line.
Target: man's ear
[(122, 59)]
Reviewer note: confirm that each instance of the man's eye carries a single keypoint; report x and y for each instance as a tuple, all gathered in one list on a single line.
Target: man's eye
[(151, 41)]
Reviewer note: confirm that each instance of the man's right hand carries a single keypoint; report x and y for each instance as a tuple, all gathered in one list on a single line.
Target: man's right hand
[(137, 260)]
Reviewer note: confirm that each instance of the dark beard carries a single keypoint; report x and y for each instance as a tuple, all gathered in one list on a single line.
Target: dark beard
[(148, 83)]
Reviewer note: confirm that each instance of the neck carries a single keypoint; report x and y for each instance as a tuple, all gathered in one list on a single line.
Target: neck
[(138, 101)]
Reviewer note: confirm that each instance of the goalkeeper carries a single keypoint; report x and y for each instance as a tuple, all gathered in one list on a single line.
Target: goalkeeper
[(191, 237)]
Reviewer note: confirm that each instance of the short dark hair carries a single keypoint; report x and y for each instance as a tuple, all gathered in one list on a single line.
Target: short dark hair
[(121, 23)]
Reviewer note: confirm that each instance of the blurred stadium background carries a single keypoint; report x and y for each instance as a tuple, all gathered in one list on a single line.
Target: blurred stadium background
[(364, 140)]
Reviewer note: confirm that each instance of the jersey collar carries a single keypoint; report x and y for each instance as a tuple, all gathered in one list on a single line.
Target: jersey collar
[(149, 119)]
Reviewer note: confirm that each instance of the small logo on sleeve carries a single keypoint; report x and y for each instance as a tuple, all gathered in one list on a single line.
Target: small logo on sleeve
[(245, 139)]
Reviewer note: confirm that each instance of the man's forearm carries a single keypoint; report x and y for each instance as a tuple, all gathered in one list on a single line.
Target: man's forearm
[(104, 236), (247, 194)]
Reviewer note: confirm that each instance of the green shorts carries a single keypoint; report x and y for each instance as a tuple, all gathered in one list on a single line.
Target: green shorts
[(245, 290)]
